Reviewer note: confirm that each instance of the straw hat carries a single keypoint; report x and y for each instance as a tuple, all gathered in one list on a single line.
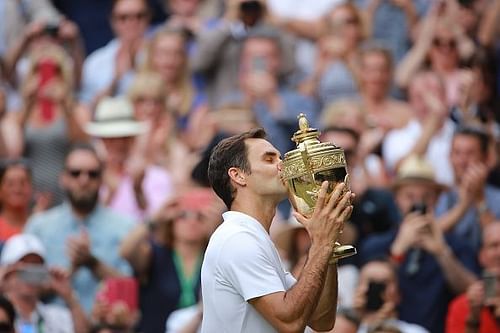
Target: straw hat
[(114, 118), (415, 169)]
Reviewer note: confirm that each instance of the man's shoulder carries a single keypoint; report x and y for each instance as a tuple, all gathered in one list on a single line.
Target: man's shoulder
[(51, 217), (112, 218), (105, 53)]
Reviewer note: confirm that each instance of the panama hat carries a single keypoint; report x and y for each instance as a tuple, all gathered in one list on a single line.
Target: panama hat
[(114, 118), (416, 169)]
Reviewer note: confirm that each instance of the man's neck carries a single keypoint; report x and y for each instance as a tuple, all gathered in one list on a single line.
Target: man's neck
[(262, 209), (82, 214)]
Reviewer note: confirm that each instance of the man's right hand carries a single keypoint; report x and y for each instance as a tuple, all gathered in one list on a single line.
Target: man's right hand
[(327, 221), (407, 236)]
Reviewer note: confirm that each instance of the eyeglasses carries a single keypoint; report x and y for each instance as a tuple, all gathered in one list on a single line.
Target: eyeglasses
[(92, 174), (139, 16), (449, 43), (148, 99)]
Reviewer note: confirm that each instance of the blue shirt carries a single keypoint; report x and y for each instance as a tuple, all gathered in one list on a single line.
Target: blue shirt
[(425, 293), (99, 70), (468, 229), (106, 230)]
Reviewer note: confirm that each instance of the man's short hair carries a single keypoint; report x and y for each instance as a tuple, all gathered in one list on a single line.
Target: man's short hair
[(230, 152), (482, 136), (85, 147)]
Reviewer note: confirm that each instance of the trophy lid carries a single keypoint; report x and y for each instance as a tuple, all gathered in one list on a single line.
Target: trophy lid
[(311, 154)]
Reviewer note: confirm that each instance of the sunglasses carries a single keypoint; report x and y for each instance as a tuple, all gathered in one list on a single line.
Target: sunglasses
[(139, 16), (449, 43), (76, 173)]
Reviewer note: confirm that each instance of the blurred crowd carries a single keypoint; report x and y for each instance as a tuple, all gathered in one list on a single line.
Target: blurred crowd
[(109, 111)]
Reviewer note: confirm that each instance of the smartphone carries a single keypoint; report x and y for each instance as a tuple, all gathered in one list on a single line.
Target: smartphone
[(419, 207), (374, 300), (34, 274), (490, 285), (120, 289)]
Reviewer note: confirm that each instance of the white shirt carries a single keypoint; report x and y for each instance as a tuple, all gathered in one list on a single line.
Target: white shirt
[(241, 263), (99, 70), (399, 142), (50, 318)]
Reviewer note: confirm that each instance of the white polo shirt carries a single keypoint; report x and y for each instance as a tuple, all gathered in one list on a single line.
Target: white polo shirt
[(241, 263)]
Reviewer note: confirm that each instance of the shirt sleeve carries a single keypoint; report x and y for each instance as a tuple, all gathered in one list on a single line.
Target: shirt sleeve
[(246, 265)]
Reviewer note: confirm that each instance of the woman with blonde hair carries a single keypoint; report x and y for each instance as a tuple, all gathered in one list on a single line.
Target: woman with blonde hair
[(167, 56), (160, 145), (46, 125)]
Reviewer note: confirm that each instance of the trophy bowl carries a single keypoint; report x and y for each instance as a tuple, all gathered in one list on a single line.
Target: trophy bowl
[(307, 167)]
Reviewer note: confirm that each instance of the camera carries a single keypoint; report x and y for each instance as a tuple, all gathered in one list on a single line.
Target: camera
[(51, 29), (374, 300), (34, 274)]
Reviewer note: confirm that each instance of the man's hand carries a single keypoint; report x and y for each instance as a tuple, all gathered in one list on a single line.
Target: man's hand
[(78, 250), (61, 284), (327, 221), (407, 234), (430, 237)]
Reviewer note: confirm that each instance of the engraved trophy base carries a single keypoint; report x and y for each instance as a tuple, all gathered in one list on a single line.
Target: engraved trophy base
[(342, 251)]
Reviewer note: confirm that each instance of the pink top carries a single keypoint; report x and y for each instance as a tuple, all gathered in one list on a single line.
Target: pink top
[(157, 187)]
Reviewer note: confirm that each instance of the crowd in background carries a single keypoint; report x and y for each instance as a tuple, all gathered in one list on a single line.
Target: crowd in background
[(109, 111)]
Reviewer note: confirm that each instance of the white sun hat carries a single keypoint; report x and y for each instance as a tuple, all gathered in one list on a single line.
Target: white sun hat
[(114, 118)]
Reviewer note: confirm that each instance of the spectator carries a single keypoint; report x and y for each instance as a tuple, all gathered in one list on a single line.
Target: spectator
[(471, 204), (443, 44), (167, 55), (443, 266), (109, 70), (376, 71), (25, 275), (337, 66), (274, 104), (160, 145), (132, 186), (16, 195), (168, 262), (47, 124), (377, 298), (219, 50), (81, 235), (478, 310), (428, 134)]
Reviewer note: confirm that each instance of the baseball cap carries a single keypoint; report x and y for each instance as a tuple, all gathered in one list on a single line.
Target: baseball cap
[(19, 246)]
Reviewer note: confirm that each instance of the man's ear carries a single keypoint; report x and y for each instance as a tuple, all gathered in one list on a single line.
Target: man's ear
[(237, 176)]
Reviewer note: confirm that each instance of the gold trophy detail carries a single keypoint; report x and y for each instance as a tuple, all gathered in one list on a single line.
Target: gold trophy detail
[(307, 167)]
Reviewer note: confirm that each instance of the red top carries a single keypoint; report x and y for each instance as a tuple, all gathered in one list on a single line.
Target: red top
[(7, 230), (458, 311)]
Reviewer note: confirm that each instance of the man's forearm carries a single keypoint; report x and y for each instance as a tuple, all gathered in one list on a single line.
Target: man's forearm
[(457, 276), (326, 310), (302, 299)]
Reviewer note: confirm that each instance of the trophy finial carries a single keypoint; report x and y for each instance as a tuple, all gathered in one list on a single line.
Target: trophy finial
[(303, 123)]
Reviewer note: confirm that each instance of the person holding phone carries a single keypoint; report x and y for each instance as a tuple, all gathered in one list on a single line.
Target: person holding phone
[(377, 298), (426, 259), (478, 309), (24, 276)]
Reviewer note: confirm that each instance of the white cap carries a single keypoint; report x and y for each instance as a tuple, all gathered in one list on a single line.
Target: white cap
[(19, 246)]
